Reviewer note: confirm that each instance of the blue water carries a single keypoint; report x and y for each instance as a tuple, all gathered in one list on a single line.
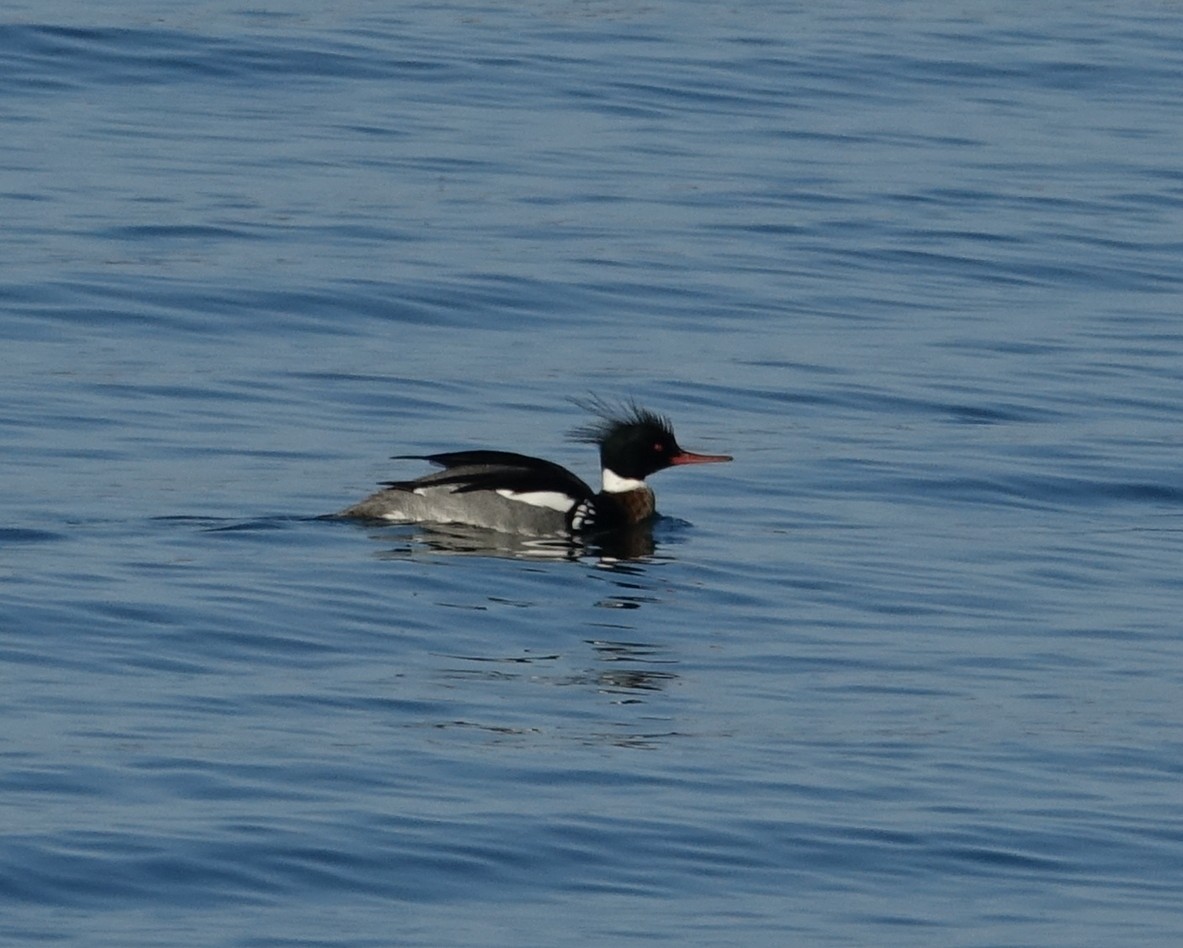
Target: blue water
[(909, 671)]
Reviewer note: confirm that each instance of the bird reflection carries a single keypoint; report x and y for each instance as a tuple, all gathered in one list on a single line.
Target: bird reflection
[(633, 678), (626, 545), (632, 668)]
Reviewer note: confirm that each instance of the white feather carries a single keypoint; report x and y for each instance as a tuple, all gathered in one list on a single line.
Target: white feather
[(552, 499), (583, 516), (615, 484)]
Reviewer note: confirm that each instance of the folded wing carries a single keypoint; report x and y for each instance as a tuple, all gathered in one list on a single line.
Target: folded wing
[(500, 471)]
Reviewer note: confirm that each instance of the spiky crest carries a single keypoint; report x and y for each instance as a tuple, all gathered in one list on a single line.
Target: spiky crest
[(611, 417)]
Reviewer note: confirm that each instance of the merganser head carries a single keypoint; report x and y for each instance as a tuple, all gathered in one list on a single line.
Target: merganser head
[(634, 443)]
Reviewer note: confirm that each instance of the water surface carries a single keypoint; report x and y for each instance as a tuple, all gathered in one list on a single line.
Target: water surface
[(907, 671)]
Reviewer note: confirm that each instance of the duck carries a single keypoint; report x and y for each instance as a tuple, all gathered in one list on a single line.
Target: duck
[(516, 493)]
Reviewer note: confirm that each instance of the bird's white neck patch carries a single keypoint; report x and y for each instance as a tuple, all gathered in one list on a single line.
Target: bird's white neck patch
[(615, 484)]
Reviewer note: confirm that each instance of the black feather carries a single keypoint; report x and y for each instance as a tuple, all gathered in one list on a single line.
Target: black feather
[(612, 416), (467, 471)]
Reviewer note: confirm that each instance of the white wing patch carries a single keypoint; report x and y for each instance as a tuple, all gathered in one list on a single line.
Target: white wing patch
[(583, 516), (551, 499)]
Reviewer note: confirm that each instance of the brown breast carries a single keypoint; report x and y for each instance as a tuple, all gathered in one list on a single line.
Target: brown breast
[(635, 505)]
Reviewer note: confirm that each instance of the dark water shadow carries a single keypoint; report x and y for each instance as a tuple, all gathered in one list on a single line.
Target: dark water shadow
[(15, 535), (228, 525), (626, 670), (629, 668)]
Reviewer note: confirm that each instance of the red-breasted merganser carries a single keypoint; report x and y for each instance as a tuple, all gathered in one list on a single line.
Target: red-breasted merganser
[(513, 493)]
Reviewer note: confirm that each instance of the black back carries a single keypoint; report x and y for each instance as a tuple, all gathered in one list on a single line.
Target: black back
[(466, 471)]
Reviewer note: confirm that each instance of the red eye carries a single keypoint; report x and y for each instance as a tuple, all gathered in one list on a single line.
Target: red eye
[(658, 447)]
